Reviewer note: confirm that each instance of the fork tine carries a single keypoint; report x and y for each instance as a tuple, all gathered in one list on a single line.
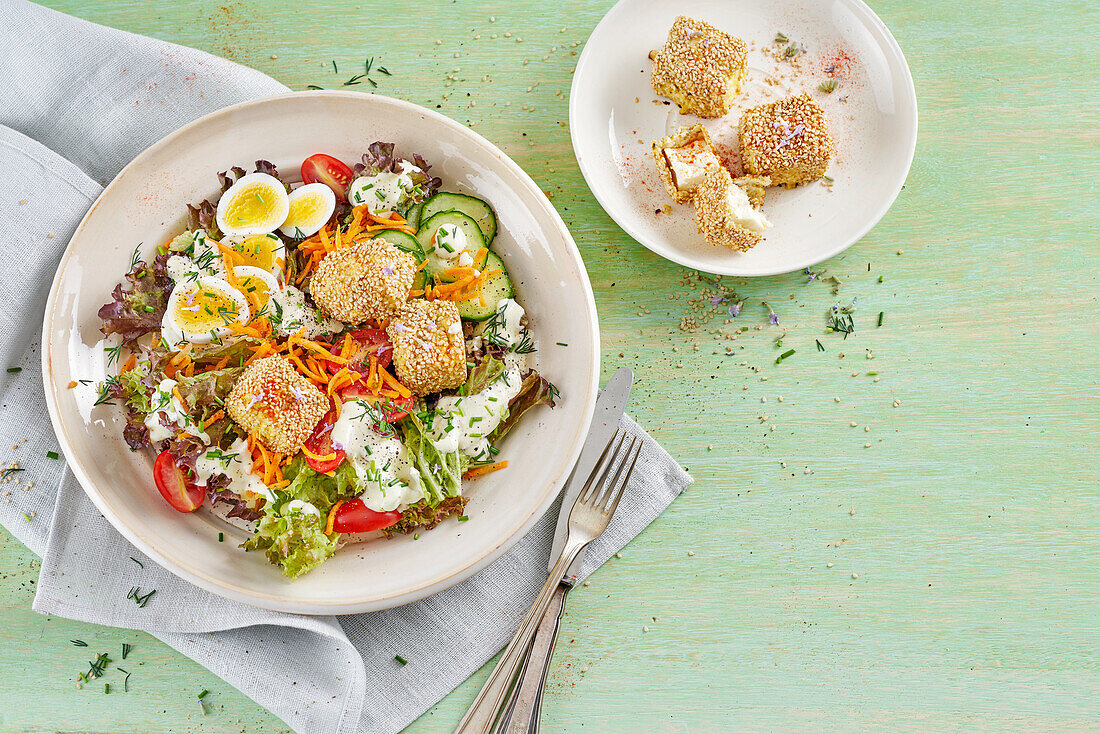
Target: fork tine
[(626, 480), (603, 466), (608, 489)]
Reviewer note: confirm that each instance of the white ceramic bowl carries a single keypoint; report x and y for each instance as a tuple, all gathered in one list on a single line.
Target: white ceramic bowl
[(146, 203), (614, 116)]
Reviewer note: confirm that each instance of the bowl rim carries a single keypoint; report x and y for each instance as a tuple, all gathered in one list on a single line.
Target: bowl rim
[(357, 604), (887, 41)]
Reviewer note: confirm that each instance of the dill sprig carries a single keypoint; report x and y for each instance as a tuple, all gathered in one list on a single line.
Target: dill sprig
[(104, 397), (840, 319), (126, 648), (828, 86), (79, 643)]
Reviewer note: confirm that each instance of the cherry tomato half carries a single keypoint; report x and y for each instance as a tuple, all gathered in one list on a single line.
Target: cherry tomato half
[(372, 341), (174, 486), (320, 443), (330, 171), (355, 517)]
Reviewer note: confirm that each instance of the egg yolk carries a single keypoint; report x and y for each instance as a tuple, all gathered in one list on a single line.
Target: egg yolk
[(252, 205), (255, 291), (262, 251), (201, 309), (305, 210)]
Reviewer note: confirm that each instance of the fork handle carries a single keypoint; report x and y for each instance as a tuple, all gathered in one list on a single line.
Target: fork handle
[(489, 702), (527, 710)]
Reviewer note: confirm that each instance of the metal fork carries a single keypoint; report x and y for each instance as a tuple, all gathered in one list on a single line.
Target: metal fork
[(588, 520)]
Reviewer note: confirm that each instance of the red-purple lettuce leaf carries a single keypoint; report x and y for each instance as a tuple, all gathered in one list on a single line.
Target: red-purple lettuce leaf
[(138, 309)]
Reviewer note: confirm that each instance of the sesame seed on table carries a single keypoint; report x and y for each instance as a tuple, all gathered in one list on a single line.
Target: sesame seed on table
[(973, 547)]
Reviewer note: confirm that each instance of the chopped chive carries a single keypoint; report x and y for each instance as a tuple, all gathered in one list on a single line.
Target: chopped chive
[(15, 369), (79, 643), (149, 309), (334, 69), (126, 648), (784, 355), (202, 695), (820, 348), (106, 688), (880, 315), (400, 659), (313, 86), (221, 537), (26, 517), (125, 681), (562, 344), (463, 518), (137, 561), (53, 455), (880, 279)]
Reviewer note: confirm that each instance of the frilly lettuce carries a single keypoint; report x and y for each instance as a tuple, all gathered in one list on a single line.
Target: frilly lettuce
[(380, 158), (296, 540), (137, 310), (292, 539), (535, 390)]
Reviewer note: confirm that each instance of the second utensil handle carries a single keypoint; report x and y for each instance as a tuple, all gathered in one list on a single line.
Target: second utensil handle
[(525, 714), (488, 704)]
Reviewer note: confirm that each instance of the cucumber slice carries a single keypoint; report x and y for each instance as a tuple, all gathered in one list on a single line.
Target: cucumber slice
[(471, 206), (496, 289), (426, 233), (402, 241), (413, 215), (420, 280)]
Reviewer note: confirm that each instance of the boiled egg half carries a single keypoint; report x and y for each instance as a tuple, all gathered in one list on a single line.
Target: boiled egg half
[(311, 206), (255, 204), (200, 309), (258, 286), (264, 251)]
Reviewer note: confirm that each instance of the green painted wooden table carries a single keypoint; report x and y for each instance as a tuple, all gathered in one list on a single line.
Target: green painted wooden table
[(915, 549)]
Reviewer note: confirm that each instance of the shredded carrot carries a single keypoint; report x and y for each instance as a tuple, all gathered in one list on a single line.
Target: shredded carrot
[(182, 402), (221, 365), (213, 418), (478, 471), (73, 384), (318, 457), (401, 389), (129, 365), (332, 516)]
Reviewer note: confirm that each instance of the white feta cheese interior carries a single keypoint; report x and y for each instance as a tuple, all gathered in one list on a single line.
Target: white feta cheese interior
[(690, 163)]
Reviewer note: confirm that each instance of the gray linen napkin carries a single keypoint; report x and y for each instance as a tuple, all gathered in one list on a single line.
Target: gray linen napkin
[(59, 134)]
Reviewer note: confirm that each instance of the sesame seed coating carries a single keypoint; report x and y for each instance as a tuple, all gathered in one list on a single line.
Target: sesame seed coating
[(712, 211), (787, 140), (429, 354), (700, 67), (276, 405), (369, 280), (696, 135)]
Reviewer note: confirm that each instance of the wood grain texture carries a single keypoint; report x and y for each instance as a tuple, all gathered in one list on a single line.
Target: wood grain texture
[(943, 578)]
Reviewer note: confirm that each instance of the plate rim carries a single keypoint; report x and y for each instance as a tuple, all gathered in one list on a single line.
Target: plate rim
[(869, 16), (271, 601)]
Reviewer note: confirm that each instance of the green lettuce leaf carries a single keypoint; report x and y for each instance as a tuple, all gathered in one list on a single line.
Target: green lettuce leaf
[(482, 375), (440, 474), (320, 490), (294, 540)]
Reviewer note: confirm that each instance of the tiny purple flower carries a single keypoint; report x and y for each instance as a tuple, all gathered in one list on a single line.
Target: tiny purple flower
[(735, 308), (387, 270), (253, 399), (715, 300), (337, 445), (298, 394)]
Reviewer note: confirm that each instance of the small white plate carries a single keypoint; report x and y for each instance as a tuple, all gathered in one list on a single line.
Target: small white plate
[(614, 116), (146, 203)]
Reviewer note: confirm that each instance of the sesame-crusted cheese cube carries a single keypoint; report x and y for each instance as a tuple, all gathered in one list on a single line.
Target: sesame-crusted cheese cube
[(683, 159), (724, 214), (787, 140), (369, 280), (276, 405), (429, 351), (700, 67)]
